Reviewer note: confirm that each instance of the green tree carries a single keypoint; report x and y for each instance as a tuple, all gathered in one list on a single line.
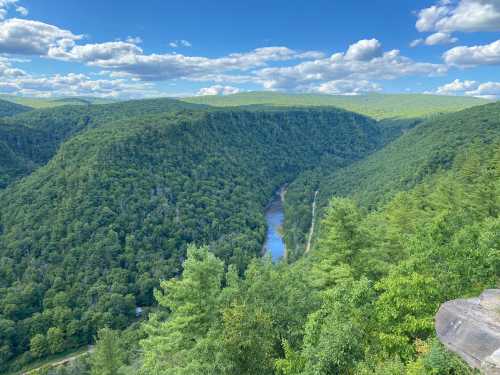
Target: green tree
[(55, 340), (247, 341), (38, 346), (108, 355), (192, 306)]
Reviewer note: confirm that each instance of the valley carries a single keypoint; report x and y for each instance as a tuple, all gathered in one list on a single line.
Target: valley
[(167, 206)]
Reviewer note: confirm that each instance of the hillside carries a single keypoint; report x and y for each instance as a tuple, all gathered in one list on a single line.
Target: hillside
[(30, 139), (363, 300), (378, 106), (35, 102), (10, 109), (86, 238), (419, 153)]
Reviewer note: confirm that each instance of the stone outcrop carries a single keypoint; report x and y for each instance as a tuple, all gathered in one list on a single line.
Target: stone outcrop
[(471, 329)]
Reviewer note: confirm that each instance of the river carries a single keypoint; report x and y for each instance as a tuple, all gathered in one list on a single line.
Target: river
[(275, 216)]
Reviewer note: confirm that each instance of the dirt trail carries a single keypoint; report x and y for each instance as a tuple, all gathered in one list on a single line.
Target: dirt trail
[(313, 222), (60, 362)]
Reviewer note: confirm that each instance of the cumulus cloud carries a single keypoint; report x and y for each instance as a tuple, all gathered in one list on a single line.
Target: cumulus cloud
[(76, 85), (218, 90), (364, 50), (434, 39), (440, 38), (129, 58), (26, 37), (387, 66), (6, 4), (22, 11), (93, 53), (463, 56), (347, 87), (460, 15), (487, 90)]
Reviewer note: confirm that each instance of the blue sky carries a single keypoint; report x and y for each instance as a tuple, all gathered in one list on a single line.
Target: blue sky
[(155, 48)]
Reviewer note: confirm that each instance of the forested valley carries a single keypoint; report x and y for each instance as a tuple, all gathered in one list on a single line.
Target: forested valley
[(137, 227)]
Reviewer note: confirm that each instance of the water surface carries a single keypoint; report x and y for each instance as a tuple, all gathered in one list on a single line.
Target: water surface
[(275, 216)]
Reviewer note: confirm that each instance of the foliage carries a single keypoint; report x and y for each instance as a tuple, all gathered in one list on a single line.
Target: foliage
[(108, 355), (85, 239)]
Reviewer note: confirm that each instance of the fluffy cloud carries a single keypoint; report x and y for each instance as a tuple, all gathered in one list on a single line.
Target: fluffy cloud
[(26, 37), (457, 86), (129, 58), (6, 4), (435, 39), (488, 54), (218, 90), (364, 50), (387, 66), (96, 54), (347, 87), (439, 38), (488, 90), (75, 85), (460, 15)]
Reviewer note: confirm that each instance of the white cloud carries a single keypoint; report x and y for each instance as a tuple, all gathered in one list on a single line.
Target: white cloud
[(6, 4), (364, 50), (129, 58), (439, 38), (488, 90), (460, 15), (463, 56), (389, 65), (76, 85), (347, 87), (94, 53), (434, 39), (417, 42), (134, 40), (180, 43), (457, 86), (22, 11), (218, 90), (26, 37)]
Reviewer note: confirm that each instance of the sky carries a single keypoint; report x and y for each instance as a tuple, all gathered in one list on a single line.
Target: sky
[(149, 48)]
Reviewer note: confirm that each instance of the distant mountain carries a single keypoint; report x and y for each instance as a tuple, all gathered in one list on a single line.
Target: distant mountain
[(33, 137), (35, 102), (10, 109), (378, 106)]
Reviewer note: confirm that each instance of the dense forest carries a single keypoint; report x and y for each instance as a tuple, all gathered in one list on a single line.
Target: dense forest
[(10, 109), (372, 182), (31, 139), (86, 238), (161, 207)]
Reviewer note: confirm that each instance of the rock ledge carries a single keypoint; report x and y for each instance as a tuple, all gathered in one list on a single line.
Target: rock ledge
[(471, 329)]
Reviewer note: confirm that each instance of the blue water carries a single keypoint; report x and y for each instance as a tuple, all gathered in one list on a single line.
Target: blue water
[(274, 241)]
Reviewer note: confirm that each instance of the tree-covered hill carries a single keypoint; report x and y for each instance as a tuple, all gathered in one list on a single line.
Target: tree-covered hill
[(10, 109), (378, 106), (86, 238), (30, 139), (37, 102), (362, 302), (410, 159)]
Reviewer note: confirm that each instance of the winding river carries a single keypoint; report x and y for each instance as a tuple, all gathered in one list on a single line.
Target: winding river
[(275, 216)]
